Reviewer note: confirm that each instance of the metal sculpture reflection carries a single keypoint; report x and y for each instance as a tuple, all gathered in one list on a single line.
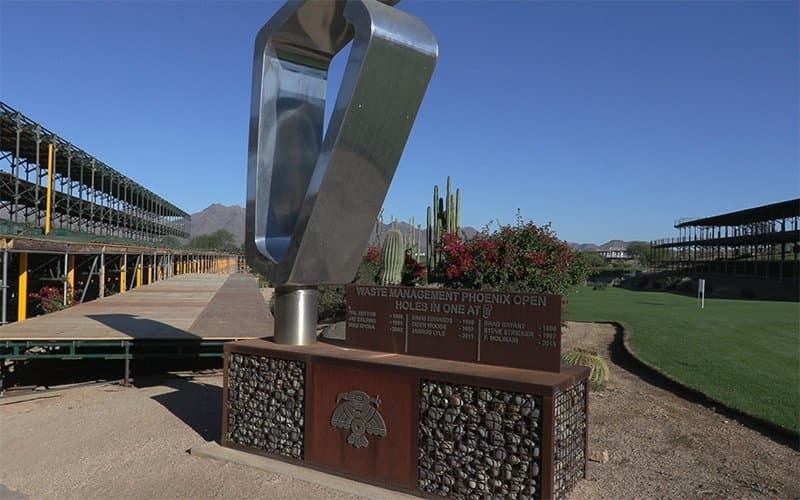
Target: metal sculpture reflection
[(312, 200)]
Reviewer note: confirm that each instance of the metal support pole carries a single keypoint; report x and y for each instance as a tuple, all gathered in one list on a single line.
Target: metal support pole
[(22, 288), (15, 171), (37, 212), (89, 278), (296, 315), (123, 262), (68, 270), (139, 266), (81, 200), (48, 211), (126, 380), (69, 189), (101, 285), (4, 318)]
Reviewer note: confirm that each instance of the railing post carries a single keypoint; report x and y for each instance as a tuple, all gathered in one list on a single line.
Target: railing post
[(22, 288), (123, 264)]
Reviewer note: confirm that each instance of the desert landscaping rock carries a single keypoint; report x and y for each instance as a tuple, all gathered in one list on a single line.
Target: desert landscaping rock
[(266, 404), (476, 442)]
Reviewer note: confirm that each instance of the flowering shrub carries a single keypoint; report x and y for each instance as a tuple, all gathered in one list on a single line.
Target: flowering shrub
[(523, 258), (51, 299), (414, 272), (373, 254), (370, 265)]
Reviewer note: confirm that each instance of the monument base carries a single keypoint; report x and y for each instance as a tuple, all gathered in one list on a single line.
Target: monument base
[(424, 426)]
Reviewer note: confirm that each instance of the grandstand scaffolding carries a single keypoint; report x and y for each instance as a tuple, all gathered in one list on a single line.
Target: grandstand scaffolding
[(761, 242), (76, 229), (47, 183)]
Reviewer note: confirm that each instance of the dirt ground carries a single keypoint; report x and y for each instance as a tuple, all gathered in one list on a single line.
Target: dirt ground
[(106, 441), (662, 445)]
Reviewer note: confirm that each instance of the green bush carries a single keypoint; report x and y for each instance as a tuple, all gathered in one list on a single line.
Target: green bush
[(639, 280), (331, 306), (686, 285)]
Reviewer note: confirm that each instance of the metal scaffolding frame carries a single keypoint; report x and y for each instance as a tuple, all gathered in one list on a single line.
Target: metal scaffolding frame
[(762, 242), (47, 182)]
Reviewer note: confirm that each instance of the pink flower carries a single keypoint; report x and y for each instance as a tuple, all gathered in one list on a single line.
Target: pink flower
[(372, 254)]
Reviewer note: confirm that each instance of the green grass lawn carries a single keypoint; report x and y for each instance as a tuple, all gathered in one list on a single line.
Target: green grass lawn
[(744, 353)]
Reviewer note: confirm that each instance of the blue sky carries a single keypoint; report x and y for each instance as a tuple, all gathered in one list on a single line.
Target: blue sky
[(610, 119)]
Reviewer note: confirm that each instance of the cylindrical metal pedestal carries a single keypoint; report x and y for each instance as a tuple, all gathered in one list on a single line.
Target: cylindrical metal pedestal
[(296, 315)]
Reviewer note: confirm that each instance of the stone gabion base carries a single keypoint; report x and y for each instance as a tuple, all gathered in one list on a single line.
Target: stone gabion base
[(476, 442), (266, 404), (570, 438)]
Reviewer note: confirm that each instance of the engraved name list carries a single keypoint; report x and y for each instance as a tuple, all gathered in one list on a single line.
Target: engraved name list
[(522, 330)]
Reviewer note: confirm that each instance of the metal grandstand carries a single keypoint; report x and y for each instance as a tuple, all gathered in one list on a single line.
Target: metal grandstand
[(47, 182), (762, 242), (70, 222)]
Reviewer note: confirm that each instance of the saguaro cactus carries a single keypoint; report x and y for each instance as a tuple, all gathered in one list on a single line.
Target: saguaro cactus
[(392, 258), (414, 239), (443, 217)]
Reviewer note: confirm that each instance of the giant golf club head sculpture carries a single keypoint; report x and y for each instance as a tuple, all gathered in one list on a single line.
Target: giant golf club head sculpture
[(312, 201)]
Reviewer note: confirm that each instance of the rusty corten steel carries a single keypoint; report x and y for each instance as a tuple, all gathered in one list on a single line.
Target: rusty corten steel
[(391, 460)]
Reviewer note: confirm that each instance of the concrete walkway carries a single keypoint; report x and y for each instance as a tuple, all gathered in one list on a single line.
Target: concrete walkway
[(107, 441), (190, 306)]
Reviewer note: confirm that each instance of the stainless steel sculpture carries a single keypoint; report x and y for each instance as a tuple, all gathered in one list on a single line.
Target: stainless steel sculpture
[(312, 201)]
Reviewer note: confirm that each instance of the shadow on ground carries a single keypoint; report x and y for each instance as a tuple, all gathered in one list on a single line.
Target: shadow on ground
[(196, 403), (142, 328)]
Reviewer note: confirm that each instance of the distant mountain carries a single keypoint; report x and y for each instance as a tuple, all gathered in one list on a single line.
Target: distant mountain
[(217, 217), (418, 235), (592, 247), (614, 244), (231, 218)]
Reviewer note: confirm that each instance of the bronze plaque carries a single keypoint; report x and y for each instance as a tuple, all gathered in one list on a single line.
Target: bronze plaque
[(521, 330)]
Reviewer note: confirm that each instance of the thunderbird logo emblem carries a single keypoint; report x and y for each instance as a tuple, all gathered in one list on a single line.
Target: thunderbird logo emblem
[(358, 413)]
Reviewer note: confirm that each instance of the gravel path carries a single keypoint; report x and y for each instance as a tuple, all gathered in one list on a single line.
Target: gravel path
[(663, 446)]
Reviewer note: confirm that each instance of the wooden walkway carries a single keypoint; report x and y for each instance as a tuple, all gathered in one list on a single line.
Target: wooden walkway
[(186, 307)]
